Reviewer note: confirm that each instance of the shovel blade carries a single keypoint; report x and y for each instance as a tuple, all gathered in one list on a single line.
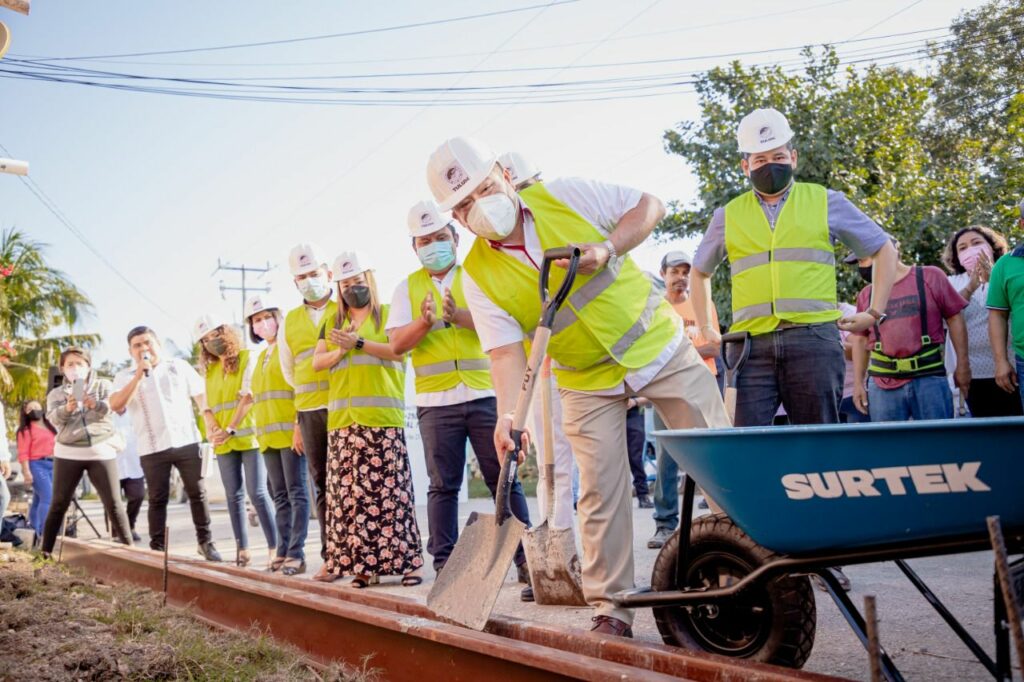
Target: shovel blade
[(554, 566), (468, 586)]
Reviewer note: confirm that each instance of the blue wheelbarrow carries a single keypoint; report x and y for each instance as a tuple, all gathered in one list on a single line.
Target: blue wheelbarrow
[(798, 500)]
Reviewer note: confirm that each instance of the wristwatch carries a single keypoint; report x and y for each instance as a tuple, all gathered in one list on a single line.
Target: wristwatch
[(612, 251), (360, 342), (879, 317), (231, 431)]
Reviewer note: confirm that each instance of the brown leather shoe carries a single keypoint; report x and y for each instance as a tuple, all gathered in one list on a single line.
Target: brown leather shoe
[(606, 625)]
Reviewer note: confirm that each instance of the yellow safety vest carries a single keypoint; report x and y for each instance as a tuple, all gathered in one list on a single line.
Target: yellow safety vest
[(365, 390), (301, 336), (447, 355), (786, 274), (613, 320), (222, 397), (274, 411)]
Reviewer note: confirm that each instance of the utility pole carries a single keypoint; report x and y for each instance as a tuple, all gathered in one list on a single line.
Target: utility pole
[(245, 288)]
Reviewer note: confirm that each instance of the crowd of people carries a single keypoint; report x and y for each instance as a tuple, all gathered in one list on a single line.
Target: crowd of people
[(320, 396)]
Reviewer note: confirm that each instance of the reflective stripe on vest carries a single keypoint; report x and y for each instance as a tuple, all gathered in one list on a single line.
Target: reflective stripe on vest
[(782, 274), (274, 411), (222, 397), (448, 355), (613, 321), (366, 390), (301, 335)]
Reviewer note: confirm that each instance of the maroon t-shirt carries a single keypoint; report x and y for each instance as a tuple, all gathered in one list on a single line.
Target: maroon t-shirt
[(901, 331)]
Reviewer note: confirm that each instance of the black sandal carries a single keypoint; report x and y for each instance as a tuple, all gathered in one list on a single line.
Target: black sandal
[(411, 580), (361, 581), (294, 569), (276, 563)]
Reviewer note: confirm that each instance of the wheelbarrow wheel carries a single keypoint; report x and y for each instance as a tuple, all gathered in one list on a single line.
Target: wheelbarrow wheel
[(772, 622)]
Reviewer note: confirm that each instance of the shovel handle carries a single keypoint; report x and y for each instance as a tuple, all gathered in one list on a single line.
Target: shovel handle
[(734, 368), (506, 479)]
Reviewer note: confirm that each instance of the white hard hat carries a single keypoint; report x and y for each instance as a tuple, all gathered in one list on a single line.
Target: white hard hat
[(425, 218), (518, 165), (206, 324), (349, 264), (761, 130), (304, 258), (257, 303), (456, 168)]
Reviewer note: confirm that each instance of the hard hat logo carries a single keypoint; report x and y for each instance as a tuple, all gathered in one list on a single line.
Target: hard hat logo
[(456, 177), (766, 135), (305, 260), (425, 220)]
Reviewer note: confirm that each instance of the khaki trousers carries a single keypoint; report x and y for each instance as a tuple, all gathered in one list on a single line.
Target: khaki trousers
[(685, 395)]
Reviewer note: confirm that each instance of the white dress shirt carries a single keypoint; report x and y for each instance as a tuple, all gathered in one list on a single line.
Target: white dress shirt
[(161, 409)]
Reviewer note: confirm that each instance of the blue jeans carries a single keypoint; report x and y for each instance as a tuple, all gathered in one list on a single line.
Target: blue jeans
[(287, 479), (921, 398), (231, 465), (1020, 378), (666, 486), (42, 492), (800, 368), (445, 431)]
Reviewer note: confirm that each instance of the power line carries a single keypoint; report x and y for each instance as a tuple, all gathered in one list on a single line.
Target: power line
[(51, 206), (328, 36), (891, 16)]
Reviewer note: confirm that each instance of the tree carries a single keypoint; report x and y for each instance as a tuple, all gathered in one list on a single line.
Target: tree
[(921, 154), (37, 302)]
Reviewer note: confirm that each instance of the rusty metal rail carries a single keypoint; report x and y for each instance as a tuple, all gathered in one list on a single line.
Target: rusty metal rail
[(403, 637)]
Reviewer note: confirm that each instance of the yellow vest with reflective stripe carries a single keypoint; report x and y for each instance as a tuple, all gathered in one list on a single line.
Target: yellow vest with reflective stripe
[(446, 356), (301, 336), (786, 274), (274, 408), (222, 397), (614, 320), (365, 390)]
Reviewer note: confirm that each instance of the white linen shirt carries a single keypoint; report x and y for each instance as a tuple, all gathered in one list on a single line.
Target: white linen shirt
[(400, 315), (600, 204), (161, 409)]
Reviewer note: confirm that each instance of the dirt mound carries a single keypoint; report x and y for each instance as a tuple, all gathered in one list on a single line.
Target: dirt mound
[(57, 624)]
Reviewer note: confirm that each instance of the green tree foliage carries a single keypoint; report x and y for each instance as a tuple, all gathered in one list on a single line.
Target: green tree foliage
[(921, 153), (37, 304)]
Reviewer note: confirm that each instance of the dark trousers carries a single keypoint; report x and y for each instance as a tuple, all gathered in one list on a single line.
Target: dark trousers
[(636, 438), (286, 478), (986, 399), (800, 368), (67, 473), (444, 431), (156, 467), (134, 493), (313, 426)]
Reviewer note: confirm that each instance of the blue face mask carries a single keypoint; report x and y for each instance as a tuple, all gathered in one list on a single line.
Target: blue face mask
[(437, 256)]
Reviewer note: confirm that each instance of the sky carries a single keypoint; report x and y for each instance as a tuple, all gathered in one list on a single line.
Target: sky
[(164, 186)]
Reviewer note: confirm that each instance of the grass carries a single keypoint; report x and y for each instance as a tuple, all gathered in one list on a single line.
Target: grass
[(527, 476)]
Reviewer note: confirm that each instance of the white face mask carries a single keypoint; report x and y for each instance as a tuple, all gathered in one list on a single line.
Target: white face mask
[(75, 372), (314, 288), (493, 216)]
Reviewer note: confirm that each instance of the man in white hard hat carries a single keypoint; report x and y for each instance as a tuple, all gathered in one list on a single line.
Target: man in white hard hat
[(523, 172), (301, 329), (454, 395), (780, 239), (615, 338)]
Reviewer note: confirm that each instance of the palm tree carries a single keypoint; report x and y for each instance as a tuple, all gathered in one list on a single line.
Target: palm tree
[(37, 303)]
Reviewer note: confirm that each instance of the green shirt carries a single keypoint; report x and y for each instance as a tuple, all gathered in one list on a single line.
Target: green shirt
[(1006, 292)]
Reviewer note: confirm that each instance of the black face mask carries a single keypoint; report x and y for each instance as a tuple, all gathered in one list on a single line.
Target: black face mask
[(35, 415), (357, 296), (865, 272), (772, 178)]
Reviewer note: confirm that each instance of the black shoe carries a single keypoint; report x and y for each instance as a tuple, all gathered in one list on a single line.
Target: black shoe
[(209, 552), (660, 537), (523, 574), (526, 594), (645, 501), (136, 537), (702, 503)]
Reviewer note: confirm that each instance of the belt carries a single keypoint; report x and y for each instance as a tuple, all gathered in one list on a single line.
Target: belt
[(783, 326)]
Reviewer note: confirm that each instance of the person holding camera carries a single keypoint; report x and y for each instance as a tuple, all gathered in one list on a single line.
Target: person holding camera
[(87, 441), (158, 394)]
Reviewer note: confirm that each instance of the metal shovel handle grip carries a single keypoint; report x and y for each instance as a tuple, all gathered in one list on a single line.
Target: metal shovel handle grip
[(732, 338), (538, 349)]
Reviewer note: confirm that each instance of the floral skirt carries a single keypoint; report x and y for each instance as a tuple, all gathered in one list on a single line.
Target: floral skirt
[(371, 514)]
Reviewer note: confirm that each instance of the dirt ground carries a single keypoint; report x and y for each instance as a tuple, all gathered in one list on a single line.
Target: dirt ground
[(58, 624)]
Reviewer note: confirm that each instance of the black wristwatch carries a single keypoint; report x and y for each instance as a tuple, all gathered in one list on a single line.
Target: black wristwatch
[(231, 431), (879, 317), (360, 342)]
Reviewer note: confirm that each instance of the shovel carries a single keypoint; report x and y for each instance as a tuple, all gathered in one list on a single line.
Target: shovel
[(468, 586), (732, 370), (555, 571)]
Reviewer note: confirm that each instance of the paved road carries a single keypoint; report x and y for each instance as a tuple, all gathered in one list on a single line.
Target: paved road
[(914, 635)]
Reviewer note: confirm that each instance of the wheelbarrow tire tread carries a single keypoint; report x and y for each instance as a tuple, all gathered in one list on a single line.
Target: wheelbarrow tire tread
[(791, 598)]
